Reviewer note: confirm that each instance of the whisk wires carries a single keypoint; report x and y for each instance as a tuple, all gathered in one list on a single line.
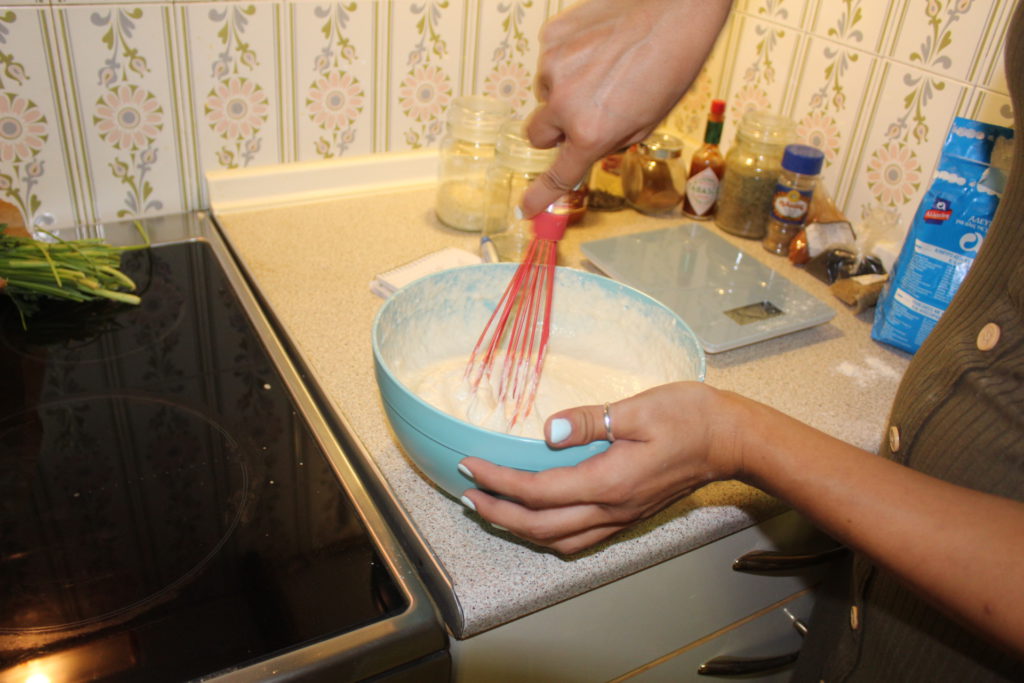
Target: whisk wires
[(526, 304)]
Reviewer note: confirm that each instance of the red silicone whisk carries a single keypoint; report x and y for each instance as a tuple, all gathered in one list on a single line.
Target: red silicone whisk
[(521, 324)]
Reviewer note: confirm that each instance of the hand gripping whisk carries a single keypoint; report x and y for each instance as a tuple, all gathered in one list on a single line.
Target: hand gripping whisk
[(517, 331)]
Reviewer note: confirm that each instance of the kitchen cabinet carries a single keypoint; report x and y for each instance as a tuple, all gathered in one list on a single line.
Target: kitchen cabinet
[(768, 634), (660, 623)]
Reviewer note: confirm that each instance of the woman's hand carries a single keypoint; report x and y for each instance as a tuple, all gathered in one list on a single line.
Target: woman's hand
[(609, 72), (669, 441)]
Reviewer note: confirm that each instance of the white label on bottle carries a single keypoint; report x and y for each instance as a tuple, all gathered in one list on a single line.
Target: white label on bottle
[(702, 191)]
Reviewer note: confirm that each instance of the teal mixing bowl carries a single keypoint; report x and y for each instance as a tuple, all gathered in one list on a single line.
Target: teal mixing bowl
[(440, 316)]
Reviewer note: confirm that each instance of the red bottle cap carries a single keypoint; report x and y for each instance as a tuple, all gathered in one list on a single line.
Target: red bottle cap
[(717, 107)]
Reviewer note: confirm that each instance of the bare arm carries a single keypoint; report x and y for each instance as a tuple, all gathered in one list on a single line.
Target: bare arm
[(959, 549), (608, 73)]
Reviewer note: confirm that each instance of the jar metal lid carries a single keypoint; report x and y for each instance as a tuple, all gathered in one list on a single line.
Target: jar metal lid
[(662, 146)]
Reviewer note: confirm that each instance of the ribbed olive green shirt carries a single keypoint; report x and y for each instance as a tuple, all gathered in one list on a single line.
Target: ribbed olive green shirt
[(959, 416)]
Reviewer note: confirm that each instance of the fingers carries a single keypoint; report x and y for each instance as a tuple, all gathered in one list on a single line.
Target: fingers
[(571, 164), (592, 481), (548, 527), (566, 530)]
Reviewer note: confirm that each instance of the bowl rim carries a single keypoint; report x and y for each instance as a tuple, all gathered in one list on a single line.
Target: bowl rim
[(483, 431)]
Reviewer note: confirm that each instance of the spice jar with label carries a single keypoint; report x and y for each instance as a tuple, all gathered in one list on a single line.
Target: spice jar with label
[(801, 165), (653, 177), (516, 164), (752, 168), (466, 152)]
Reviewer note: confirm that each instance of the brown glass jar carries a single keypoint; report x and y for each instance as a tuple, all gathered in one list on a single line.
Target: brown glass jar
[(653, 176)]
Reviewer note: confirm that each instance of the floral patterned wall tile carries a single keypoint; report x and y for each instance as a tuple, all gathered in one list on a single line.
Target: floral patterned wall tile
[(123, 110), (903, 139), (35, 162), (946, 37), (988, 105), (792, 13), (857, 23), (834, 83), (232, 84), (506, 51), (764, 60), (424, 62), (334, 86)]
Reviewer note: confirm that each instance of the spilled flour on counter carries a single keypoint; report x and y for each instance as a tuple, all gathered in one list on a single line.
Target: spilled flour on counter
[(604, 346)]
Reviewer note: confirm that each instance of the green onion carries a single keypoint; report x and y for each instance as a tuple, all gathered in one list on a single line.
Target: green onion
[(73, 270)]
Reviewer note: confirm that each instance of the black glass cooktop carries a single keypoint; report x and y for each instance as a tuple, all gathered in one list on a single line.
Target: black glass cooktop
[(165, 513)]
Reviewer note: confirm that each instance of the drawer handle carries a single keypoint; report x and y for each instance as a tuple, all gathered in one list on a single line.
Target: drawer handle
[(744, 666), (726, 665), (774, 561)]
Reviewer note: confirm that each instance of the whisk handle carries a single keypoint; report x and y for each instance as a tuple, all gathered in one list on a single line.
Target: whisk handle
[(550, 226)]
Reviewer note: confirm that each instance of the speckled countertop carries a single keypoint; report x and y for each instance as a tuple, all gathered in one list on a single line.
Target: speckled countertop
[(313, 263)]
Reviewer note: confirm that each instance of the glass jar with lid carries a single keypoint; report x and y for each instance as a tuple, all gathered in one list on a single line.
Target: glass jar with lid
[(466, 152), (516, 164), (653, 176), (752, 168)]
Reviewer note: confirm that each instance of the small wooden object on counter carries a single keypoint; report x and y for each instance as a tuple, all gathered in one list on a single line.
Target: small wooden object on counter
[(706, 168), (10, 217), (859, 292)]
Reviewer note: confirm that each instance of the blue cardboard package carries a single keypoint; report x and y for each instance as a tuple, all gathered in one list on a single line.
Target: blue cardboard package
[(949, 227)]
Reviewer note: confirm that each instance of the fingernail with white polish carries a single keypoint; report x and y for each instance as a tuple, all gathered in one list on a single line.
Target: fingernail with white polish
[(465, 471), (498, 527), (468, 503), (561, 429)]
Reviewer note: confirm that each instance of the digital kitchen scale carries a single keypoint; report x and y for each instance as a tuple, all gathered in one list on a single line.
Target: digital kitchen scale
[(726, 296)]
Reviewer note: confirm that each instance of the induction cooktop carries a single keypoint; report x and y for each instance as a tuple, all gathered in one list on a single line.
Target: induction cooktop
[(171, 506)]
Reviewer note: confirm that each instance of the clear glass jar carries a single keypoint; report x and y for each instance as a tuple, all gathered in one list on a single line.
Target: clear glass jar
[(653, 176), (791, 201), (516, 164), (752, 168), (466, 152)]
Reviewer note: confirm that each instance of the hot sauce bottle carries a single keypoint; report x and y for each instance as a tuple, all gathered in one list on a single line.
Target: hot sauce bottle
[(706, 169)]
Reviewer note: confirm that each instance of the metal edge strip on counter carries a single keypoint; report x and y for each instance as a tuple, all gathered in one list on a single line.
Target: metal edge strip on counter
[(430, 571), (245, 189)]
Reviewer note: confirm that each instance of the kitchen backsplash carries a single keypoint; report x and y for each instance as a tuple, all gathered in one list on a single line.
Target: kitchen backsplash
[(111, 110)]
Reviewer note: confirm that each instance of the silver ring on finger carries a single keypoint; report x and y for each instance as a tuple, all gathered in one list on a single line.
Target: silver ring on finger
[(608, 423)]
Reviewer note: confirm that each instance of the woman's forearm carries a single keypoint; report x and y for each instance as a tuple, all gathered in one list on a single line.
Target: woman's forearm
[(960, 549)]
